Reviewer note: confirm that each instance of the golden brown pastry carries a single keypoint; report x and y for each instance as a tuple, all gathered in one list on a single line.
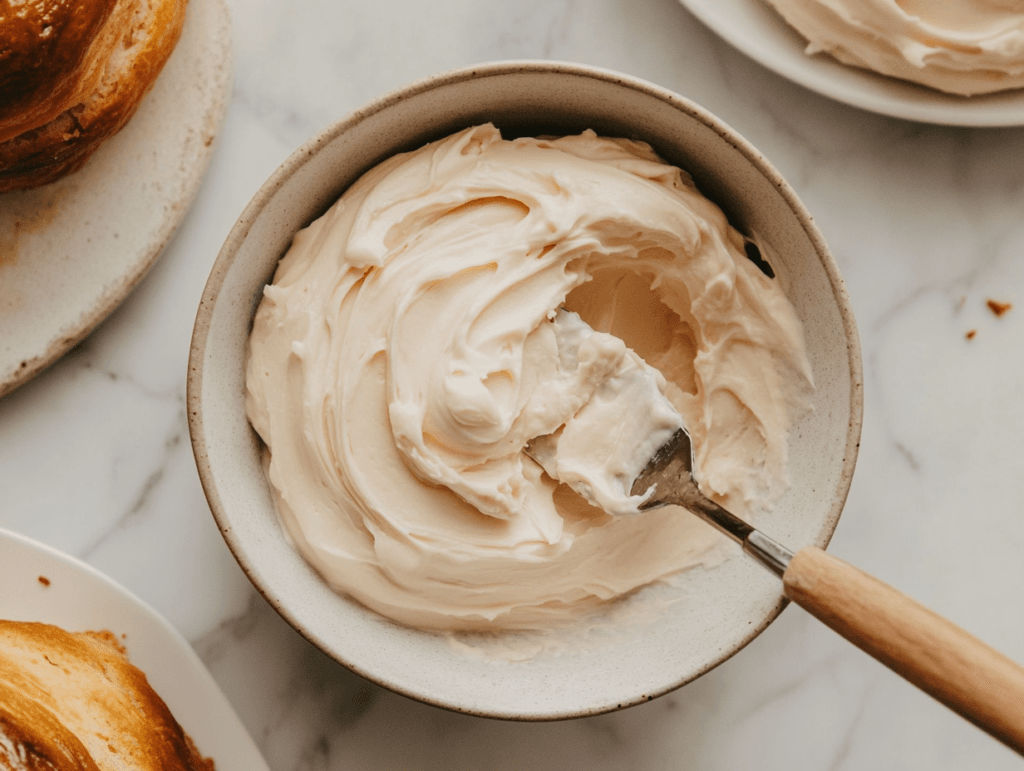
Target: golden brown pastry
[(72, 72), (73, 701)]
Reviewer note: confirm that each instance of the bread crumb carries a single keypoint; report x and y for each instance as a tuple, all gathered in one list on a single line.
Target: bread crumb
[(997, 307), (971, 333), (44, 580)]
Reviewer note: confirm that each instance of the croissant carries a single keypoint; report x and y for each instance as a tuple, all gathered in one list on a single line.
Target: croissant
[(73, 701), (72, 73)]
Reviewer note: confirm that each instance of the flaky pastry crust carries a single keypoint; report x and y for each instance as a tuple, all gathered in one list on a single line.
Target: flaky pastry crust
[(72, 73), (74, 701)]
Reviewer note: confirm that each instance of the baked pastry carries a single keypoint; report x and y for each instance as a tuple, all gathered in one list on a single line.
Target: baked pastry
[(73, 701), (71, 76)]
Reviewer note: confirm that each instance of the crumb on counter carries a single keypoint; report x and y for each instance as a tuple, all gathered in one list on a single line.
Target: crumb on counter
[(971, 333), (997, 307), (44, 580)]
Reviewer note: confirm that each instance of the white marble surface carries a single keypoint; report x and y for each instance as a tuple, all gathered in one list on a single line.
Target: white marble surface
[(926, 225)]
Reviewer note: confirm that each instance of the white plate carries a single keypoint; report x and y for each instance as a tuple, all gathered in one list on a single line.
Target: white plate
[(71, 251), (79, 598), (756, 30)]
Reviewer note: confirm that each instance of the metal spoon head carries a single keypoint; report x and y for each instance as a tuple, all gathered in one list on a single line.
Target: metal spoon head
[(670, 470)]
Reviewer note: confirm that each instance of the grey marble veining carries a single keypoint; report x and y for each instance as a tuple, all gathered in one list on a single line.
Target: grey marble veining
[(926, 224)]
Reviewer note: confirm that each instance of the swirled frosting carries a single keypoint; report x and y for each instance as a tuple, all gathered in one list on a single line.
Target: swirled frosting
[(463, 299), (962, 47)]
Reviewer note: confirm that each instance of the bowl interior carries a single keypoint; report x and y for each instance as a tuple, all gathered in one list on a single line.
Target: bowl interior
[(585, 668)]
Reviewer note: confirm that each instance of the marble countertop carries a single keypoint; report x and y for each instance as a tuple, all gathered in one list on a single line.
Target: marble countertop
[(925, 222)]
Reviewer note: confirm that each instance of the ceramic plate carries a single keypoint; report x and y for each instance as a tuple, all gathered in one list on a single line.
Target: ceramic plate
[(41, 584), (71, 251), (759, 32)]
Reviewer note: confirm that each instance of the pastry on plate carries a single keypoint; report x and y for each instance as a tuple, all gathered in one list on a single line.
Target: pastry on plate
[(72, 700), (71, 76)]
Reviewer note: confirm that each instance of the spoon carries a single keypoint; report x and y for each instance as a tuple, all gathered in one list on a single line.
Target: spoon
[(940, 658)]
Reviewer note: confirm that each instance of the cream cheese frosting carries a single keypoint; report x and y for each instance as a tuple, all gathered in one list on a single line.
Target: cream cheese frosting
[(600, 446), (964, 47), (464, 299)]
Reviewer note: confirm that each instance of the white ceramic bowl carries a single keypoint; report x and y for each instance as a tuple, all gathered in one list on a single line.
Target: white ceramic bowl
[(644, 654)]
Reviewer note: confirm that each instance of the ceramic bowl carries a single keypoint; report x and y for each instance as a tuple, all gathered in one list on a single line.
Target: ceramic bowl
[(715, 611)]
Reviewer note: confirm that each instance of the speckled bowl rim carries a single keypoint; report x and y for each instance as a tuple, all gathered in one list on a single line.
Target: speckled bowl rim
[(309, 149)]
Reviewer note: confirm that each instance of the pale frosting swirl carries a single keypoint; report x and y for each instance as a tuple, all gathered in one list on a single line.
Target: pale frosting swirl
[(411, 344), (962, 47)]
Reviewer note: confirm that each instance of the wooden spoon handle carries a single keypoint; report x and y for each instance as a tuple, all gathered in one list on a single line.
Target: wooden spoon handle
[(931, 652)]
